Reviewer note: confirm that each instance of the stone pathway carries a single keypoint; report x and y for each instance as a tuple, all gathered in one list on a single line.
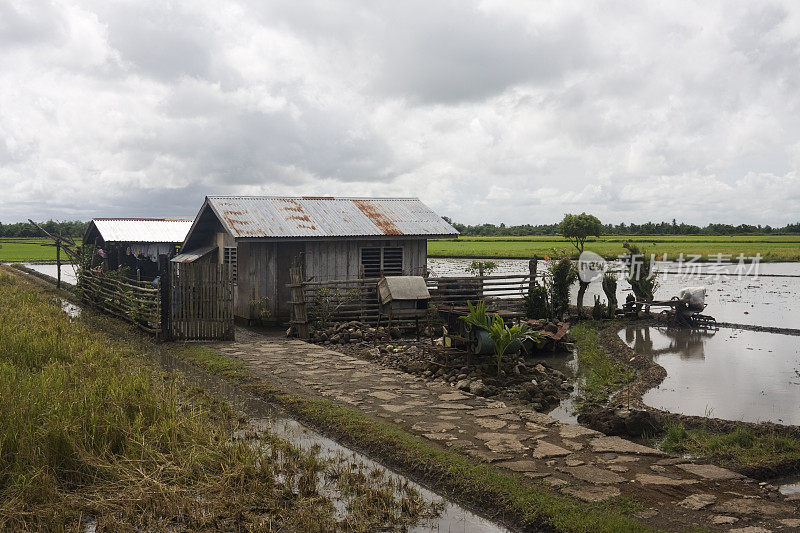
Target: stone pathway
[(570, 459)]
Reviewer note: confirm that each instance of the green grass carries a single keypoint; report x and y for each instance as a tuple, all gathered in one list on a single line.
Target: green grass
[(91, 429), (23, 250), (602, 375), (508, 494), (771, 247), (740, 449)]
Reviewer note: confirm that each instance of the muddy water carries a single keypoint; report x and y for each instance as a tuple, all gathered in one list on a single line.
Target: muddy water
[(771, 299), (730, 374), (266, 416)]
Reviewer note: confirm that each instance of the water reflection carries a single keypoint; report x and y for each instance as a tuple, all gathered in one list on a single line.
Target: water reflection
[(686, 343), (731, 374)]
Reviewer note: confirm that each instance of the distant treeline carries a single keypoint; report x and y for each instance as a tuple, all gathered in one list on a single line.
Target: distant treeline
[(648, 228), (74, 228)]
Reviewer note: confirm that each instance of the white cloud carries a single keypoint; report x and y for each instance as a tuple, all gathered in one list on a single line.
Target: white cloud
[(489, 111)]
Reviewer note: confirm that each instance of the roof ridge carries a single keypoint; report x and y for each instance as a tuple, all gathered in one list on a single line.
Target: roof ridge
[(350, 198)]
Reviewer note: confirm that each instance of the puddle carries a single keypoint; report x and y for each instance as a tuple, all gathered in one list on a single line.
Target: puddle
[(567, 364), (769, 300), (72, 310), (270, 417), (789, 486), (731, 374)]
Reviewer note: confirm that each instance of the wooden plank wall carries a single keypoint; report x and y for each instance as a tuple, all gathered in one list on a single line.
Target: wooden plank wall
[(201, 304)]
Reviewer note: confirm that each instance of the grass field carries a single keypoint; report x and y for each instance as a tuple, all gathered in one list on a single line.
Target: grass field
[(771, 247), (90, 429), (29, 249)]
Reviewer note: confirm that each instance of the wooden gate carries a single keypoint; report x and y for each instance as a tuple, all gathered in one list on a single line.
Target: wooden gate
[(201, 301)]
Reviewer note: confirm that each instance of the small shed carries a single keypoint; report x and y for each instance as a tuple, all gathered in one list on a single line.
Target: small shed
[(340, 239), (136, 243)]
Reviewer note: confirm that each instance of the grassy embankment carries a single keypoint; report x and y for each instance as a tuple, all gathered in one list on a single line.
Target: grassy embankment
[(504, 493), (602, 374), (761, 453), (771, 247), (90, 430), (28, 249)]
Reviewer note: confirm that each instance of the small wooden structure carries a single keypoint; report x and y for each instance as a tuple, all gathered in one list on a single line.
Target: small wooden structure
[(136, 243), (345, 239), (403, 297)]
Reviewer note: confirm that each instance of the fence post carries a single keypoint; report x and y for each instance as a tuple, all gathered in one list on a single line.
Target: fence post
[(164, 287), (532, 266)]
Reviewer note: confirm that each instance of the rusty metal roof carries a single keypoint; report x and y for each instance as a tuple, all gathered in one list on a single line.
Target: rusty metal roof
[(172, 230), (278, 216)]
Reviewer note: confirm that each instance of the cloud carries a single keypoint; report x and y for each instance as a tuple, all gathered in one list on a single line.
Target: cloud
[(493, 110)]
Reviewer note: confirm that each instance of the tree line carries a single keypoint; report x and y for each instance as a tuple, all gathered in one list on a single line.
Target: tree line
[(71, 228), (648, 228)]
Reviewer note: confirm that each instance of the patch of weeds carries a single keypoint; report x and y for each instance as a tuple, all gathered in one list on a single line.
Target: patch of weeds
[(209, 359), (602, 374), (741, 448)]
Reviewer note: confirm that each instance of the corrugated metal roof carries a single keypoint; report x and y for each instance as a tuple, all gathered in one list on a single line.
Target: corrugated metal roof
[(277, 216), (171, 230), (193, 255)]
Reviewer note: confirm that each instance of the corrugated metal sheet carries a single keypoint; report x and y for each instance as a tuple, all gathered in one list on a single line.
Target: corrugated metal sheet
[(172, 230), (193, 255), (273, 216)]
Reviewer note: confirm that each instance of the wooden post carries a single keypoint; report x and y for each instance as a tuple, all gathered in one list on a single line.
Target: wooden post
[(58, 263), (532, 266), (164, 287), (298, 302)]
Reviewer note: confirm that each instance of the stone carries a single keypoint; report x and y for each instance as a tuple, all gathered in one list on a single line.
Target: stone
[(490, 423), (790, 522), (671, 461), (394, 408), (491, 411), (383, 395), (538, 418), (592, 493), (695, 502), (592, 474), (519, 466), (555, 481), (545, 450), (652, 479), (433, 427), (463, 385), (573, 445), (439, 436), (645, 514), (571, 431), (709, 471), (452, 396), (574, 462), (618, 468), (754, 506), (619, 445), (721, 520), (506, 446), (460, 406), (750, 529)]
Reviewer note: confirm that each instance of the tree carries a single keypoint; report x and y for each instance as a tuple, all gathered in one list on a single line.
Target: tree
[(576, 229)]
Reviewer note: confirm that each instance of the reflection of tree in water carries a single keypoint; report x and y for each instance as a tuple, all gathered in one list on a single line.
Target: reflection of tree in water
[(685, 342)]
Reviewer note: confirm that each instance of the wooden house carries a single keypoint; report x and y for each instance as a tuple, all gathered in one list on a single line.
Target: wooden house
[(136, 243), (340, 238)]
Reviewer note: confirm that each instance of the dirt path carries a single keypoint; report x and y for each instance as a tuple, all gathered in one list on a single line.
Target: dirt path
[(678, 494)]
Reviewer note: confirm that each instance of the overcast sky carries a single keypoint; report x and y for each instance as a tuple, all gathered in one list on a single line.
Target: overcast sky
[(494, 111)]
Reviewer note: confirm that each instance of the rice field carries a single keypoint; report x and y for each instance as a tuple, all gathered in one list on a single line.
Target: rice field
[(28, 249), (771, 247)]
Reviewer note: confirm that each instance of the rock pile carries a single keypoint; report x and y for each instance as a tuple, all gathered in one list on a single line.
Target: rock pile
[(353, 333)]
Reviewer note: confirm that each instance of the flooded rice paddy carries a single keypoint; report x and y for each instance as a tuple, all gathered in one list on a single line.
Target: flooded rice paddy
[(731, 374), (771, 299)]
